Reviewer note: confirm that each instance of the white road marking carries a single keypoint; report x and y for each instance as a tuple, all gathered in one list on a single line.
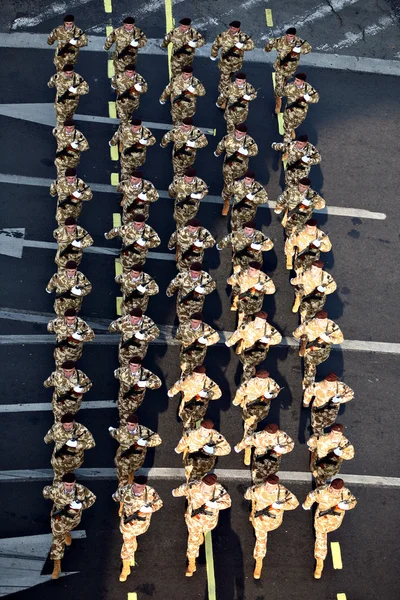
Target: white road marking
[(25, 316), (55, 9), (46, 406), (353, 38)]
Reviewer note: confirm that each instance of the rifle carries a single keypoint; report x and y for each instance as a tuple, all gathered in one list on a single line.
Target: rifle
[(192, 250), (289, 57), (65, 449), (234, 158), (242, 203), (266, 511), (329, 511), (135, 148), (131, 341), (134, 389), (184, 49), (71, 49), (66, 202), (134, 448), (127, 94), (193, 345), (296, 165), (67, 93), (67, 293), (129, 48), (182, 149), (298, 103), (202, 509), (181, 98), (133, 295), (259, 401), (186, 201), (131, 247), (231, 51), (66, 151), (70, 249)]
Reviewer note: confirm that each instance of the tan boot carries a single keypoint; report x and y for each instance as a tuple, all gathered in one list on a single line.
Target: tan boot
[(247, 456), (318, 568), (126, 570), (56, 569), (68, 539), (296, 303), (258, 568), (278, 105), (225, 208), (191, 568), (121, 509)]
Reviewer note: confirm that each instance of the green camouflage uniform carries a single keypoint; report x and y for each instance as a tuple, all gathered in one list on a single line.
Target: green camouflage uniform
[(187, 198), (186, 144), (188, 300), (299, 207), (129, 90), (296, 167), (246, 200), (69, 197), (66, 154), (243, 253), (192, 351), (187, 252), (231, 57), (65, 458), (132, 389), (297, 106), (236, 100), (287, 61), (64, 386), (66, 250)]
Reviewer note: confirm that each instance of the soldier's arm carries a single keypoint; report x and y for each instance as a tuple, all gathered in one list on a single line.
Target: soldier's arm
[(50, 326), (287, 442), (300, 331), (233, 279), (142, 41), (173, 240), (86, 441), (166, 92), (240, 395), (52, 37), (49, 436), (48, 492), (314, 95), (116, 137), (154, 382), (249, 493), (253, 149), (337, 336), (315, 157), (201, 141), (271, 44), (87, 239), (225, 241), (305, 48), (252, 92), (154, 440), (151, 140), (182, 444), (50, 381), (156, 502), (110, 40), (53, 189), (89, 499), (223, 448), (319, 202), (261, 196), (235, 337), (87, 193), (274, 387), (84, 381), (308, 395), (200, 39), (290, 245), (275, 337), (348, 452), (167, 138), (115, 326), (350, 500), (209, 286), (154, 241), (151, 335), (82, 88), (118, 496), (215, 392), (82, 39), (213, 338), (225, 501), (208, 241), (269, 287), (52, 81), (200, 89), (249, 45), (113, 233), (84, 281), (282, 200), (177, 387), (172, 189), (326, 244), (267, 244), (311, 498), (329, 283), (151, 192), (168, 38), (88, 334), (280, 146), (216, 46), (182, 490), (312, 443), (173, 286), (291, 503), (83, 143), (346, 392), (220, 149), (152, 287)]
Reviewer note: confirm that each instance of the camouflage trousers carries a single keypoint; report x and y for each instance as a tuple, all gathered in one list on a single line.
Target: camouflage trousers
[(124, 354), (230, 173), (67, 353), (125, 108), (292, 176), (304, 262), (192, 359), (121, 63), (142, 303), (68, 211), (280, 82), (135, 208), (131, 163), (262, 525), (67, 406), (61, 261), (69, 58), (182, 264), (240, 216), (65, 110), (253, 415), (182, 162), (311, 360), (197, 527), (65, 464), (130, 531), (320, 419), (128, 259), (227, 68), (325, 470), (197, 465), (181, 111), (127, 466), (250, 360), (243, 261), (296, 222), (292, 118), (64, 162), (60, 526), (184, 310), (61, 305), (195, 413), (183, 214), (128, 406), (235, 116), (263, 468), (180, 61), (323, 526), (309, 308), (248, 306)]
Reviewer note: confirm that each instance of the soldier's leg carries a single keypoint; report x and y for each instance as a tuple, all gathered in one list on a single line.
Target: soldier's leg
[(202, 467), (263, 469), (310, 370), (129, 545), (225, 76), (123, 471), (176, 114), (226, 194), (261, 533), (58, 531)]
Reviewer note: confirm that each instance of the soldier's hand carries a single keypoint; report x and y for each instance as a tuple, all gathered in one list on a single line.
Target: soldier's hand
[(73, 42), (268, 395), (76, 291), (72, 443), (77, 336), (239, 45), (192, 44), (139, 336), (142, 384), (237, 449), (49, 291), (279, 449), (78, 389), (76, 243), (307, 97), (321, 288), (169, 394), (306, 507), (134, 43), (75, 145), (305, 159), (211, 504), (258, 286), (77, 194), (145, 509), (277, 506), (343, 506), (72, 89), (247, 97), (213, 58), (209, 449), (75, 505), (162, 102), (217, 155), (202, 340), (141, 289), (338, 451), (112, 428), (141, 442)]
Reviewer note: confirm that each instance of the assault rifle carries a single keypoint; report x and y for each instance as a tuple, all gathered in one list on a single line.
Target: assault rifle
[(132, 341), (70, 249), (67, 293), (289, 56), (134, 448), (66, 341), (68, 47), (231, 51), (186, 201), (202, 509), (193, 345), (127, 50), (64, 450), (181, 98)]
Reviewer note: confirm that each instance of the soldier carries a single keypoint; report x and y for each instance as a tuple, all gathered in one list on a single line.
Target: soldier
[(71, 333), (133, 440), (190, 242), (71, 240), (248, 244), (269, 500), (187, 139), (301, 156), (298, 201), (205, 499), (248, 289), (304, 248), (327, 396), (195, 337), (70, 439), (129, 86), (192, 286), (254, 339), (139, 501), (317, 336), (188, 190), (299, 95), (333, 500), (134, 380), (269, 446), (235, 100), (196, 390), (138, 195), (238, 147), (70, 143), (289, 48), (128, 39), (137, 239), (69, 386), (133, 141), (200, 448), (70, 39), (233, 44), (183, 90), (70, 499), (248, 195), (137, 331), (136, 288), (70, 86), (328, 451), (70, 286), (184, 40), (71, 192), (311, 290)]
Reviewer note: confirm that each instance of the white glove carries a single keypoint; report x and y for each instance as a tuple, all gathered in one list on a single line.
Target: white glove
[(276, 505), (139, 336), (190, 144), (264, 339), (138, 87), (162, 102), (143, 142), (75, 145), (296, 49), (73, 42), (141, 442), (209, 449), (305, 507), (72, 89), (278, 449), (78, 389), (112, 428), (211, 504), (306, 159), (321, 288), (213, 58), (268, 395), (239, 45), (199, 289), (145, 509), (307, 97), (246, 97), (75, 505), (77, 194), (198, 244), (217, 155), (134, 43), (258, 286), (141, 242), (192, 44), (202, 340), (338, 451), (77, 336), (250, 196), (243, 151), (141, 289), (237, 450), (76, 244), (203, 394), (76, 291), (142, 196), (336, 399), (256, 246), (142, 384), (218, 247), (72, 443), (110, 144), (306, 202), (106, 234), (343, 505), (191, 89), (115, 372), (317, 243), (196, 196), (169, 394)]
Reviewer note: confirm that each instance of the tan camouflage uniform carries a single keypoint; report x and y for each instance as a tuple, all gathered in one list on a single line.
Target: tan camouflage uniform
[(62, 284), (65, 386), (70, 156), (137, 199), (235, 99), (246, 200), (243, 253), (122, 39), (132, 296), (297, 106), (287, 61), (254, 397), (183, 94), (235, 45), (66, 250), (248, 293), (298, 207), (306, 251), (70, 458), (187, 198), (182, 52), (129, 90), (69, 338), (66, 102), (132, 343), (328, 451), (266, 460), (192, 351), (131, 393), (132, 147), (312, 299), (200, 448), (235, 162), (132, 252), (326, 397), (69, 197), (127, 464), (296, 166), (69, 52), (196, 391), (188, 300), (186, 144), (184, 241)]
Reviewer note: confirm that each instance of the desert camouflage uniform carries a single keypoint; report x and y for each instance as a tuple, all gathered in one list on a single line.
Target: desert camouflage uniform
[(254, 397), (312, 299), (326, 397), (197, 460), (247, 299), (193, 352), (69, 347), (296, 168), (130, 345), (298, 207), (65, 108), (136, 454), (235, 163), (306, 252), (136, 199), (61, 283), (287, 61), (66, 251), (185, 286), (187, 198), (132, 151), (71, 156), (244, 208), (131, 296), (63, 36), (261, 498), (182, 53), (183, 99), (61, 525), (183, 156), (193, 406), (71, 458), (241, 243), (65, 385), (326, 499), (266, 461), (131, 393), (122, 39), (325, 462), (186, 252), (129, 90), (296, 107), (235, 105), (69, 197), (137, 254), (229, 65)]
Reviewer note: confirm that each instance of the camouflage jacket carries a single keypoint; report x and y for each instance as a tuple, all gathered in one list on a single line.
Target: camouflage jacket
[(77, 192), (180, 139), (122, 39), (184, 239), (64, 141), (126, 439), (80, 493), (191, 385), (284, 49), (262, 498), (146, 327), (64, 241), (303, 240), (63, 384), (61, 282), (262, 442), (234, 94), (292, 198), (130, 236), (239, 241), (129, 285), (242, 282), (250, 333), (323, 444), (183, 91), (227, 43), (253, 389), (63, 83), (180, 190), (136, 85), (295, 154), (306, 283), (248, 196), (60, 437), (180, 41), (65, 332), (319, 330), (129, 380), (187, 335), (194, 440), (131, 200), (294, 94), (132, 503), (63, 36), (322, 392), (184, 284), (231, 146), (129, 141), (197, 495)]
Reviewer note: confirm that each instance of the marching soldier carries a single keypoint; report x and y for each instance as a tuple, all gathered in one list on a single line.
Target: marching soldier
[(311, 289), (301, 156), (248, 289), (317, 336), (138, 195), (333, 501), (289, 48), (248, 195), (184, 39), (328, 451), (269, 446), (187, 139), (70, 143), (71, 333), (137, 331), (183, 90), (200, 448), (205, 499), (70, 86), (326, 396), (235, 100), (254, 339), (298, 201), (304, 248), (70, 499), (192, 286), (196, 391), (299, 95), (188, 191), (195, 337), (137, 239), (269, 500), (129, 86), (238, 148), (71, 239), (69, 386), (128, 39), (248, 244), (70, 286), (71, 192), (133, 141), (69, 40), (133, 440), (190, 243), (139, 501), (134, 380), (136, 288), (70, 439), (233, 43)]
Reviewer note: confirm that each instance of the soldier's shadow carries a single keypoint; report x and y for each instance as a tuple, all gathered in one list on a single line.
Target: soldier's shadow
[(216, 370)]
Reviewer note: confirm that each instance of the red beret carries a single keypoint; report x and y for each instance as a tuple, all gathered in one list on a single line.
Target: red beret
[(255, 265), (67, 418), (241, 127), (68, 67), (262, 374), (305, 181), (337, 484), (199, 369), (140, 479), (70, 221), (70, 312), (197, 316), (135, 360), (187, 121), (312, 222), (207, 424), (210, 479), (130, 67), (187, 69), (196, 266), (138, 218), (331, 377), (321, 314), (337, 427), (68, 478), (271, 428), (190, 172), (261, 314), (251, 224), (318, 263), (70, 172), (133, 419), (136, 312), (138, 268), (71, 264), (193, 223), (302, 138), (68, 364), (301, 76), (272, 479)]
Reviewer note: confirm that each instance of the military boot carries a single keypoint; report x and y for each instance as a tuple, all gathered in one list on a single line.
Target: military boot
[(278, 105), (68, 539), (191, 568), (258, 568), (126, 570), (56, 569), (318, 568), (225, 208)]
